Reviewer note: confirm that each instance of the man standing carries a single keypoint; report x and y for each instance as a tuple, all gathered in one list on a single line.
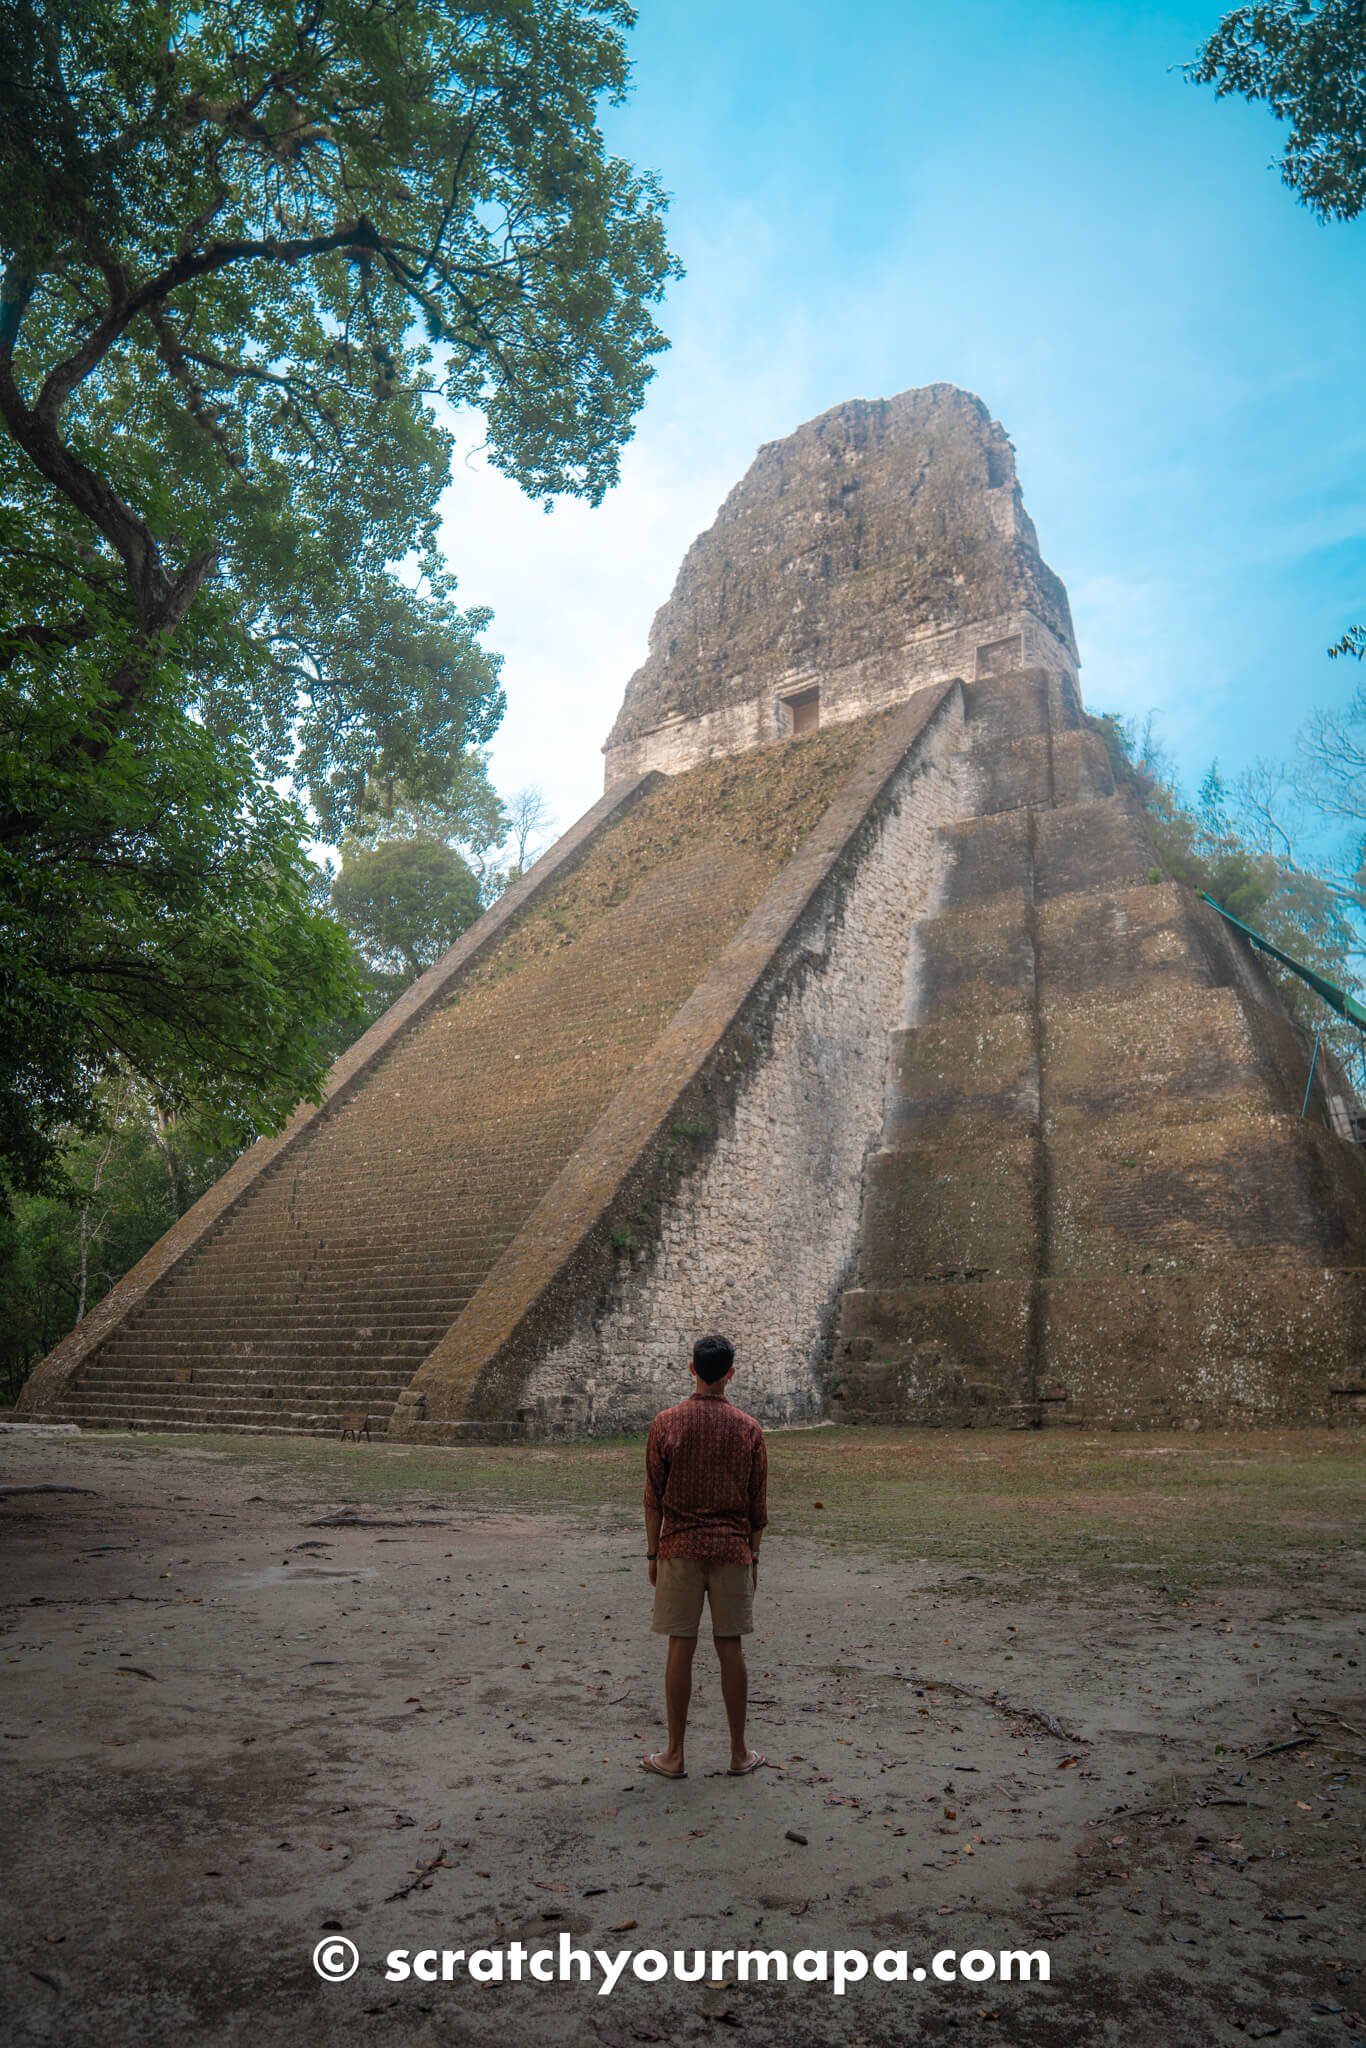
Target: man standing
[(706, 1504)]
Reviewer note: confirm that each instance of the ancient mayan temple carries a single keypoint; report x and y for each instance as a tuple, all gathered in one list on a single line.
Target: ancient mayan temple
[(858, 1018)]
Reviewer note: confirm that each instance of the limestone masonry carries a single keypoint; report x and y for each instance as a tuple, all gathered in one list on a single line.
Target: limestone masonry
[(858, 1019), (882, 547)]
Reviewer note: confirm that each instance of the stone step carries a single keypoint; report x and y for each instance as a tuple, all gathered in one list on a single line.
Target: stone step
[(345, 1341), (950, 1210), (460, 1230), (433, 1285), (314, 1295), (227, 1411), (255, 1426), (345, 1326), (402, 1250), (243, 1401), (123, 1382), (950, 1353), (324, 1361), (962, 1070), (1069, 768), (347, 1319)]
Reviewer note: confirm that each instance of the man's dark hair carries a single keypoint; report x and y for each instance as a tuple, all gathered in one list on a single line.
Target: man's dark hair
[(713, 1357)]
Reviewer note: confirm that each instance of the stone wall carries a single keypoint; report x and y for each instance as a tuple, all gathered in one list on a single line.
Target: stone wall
[(935, 654), (325, 1270), (1096, 1199), (757, 1240), (873, 552), (259, 1170)]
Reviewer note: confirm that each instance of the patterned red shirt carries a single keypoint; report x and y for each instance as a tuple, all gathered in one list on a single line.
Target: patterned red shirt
[(706, 1472)]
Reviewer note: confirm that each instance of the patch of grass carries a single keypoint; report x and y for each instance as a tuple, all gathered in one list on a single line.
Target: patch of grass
[(1172, 1511)]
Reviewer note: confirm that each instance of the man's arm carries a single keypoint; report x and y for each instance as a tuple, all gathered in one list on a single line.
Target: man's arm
[(656, 1479), (758, 1501)]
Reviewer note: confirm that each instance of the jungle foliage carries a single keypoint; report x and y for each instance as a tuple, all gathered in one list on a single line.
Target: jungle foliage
[(247, 245)]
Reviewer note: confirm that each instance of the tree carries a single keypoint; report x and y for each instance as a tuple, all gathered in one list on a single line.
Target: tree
[(161, 919), (245, 244), (1239, 849), (529, 817), (1307, 60), (1211, 800), (1308, 63), (127, 1182), (448, 800), (1331, 782), (404, 902)]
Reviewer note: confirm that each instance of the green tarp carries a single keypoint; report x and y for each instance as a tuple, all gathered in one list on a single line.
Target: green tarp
[(1336, 998)]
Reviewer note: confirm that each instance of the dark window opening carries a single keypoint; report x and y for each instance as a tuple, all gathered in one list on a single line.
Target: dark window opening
[(804, 711)]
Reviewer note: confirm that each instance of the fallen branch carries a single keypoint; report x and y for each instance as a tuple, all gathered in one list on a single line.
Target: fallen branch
[(343, 1521), (1001, 1705), (1275, 1748), (1327, 1714), (424, 1871)]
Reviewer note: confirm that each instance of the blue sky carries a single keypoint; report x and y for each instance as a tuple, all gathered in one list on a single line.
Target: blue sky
[(1026, 200)]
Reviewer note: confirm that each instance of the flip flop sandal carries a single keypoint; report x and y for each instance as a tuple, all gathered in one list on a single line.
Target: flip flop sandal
[(647, 1763), (754, 1762)]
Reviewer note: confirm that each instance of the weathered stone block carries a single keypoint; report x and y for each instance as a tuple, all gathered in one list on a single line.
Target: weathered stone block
[(1135, 1196), (1119, 942), (951, 1208), (987, 856), (1178, 1054), (1005, 708), (1081, 770), (1010, 777), (951, 1354), (1099, 845), (963, 1071), (1061, 768), (1272, 1341), (975, 959)]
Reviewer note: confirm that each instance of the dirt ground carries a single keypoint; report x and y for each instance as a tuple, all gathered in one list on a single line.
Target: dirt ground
[(1096, 1696)]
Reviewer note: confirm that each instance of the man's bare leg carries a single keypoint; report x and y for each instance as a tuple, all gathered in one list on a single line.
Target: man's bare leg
[(735, 1693), (677, 1696)]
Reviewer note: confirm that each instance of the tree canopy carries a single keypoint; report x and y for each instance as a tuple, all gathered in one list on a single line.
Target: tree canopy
[(404, 902), (1237, 842), (1306, 59), (247, 245)]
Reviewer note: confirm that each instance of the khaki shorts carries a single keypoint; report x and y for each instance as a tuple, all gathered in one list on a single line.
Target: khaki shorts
[(681, 1582)]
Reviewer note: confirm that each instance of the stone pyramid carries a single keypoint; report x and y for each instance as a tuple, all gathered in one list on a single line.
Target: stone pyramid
[(858, 1019)]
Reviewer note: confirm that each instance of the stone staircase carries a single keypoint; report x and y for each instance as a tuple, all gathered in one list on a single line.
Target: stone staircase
[(322, 1289), (1095, 1197)]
